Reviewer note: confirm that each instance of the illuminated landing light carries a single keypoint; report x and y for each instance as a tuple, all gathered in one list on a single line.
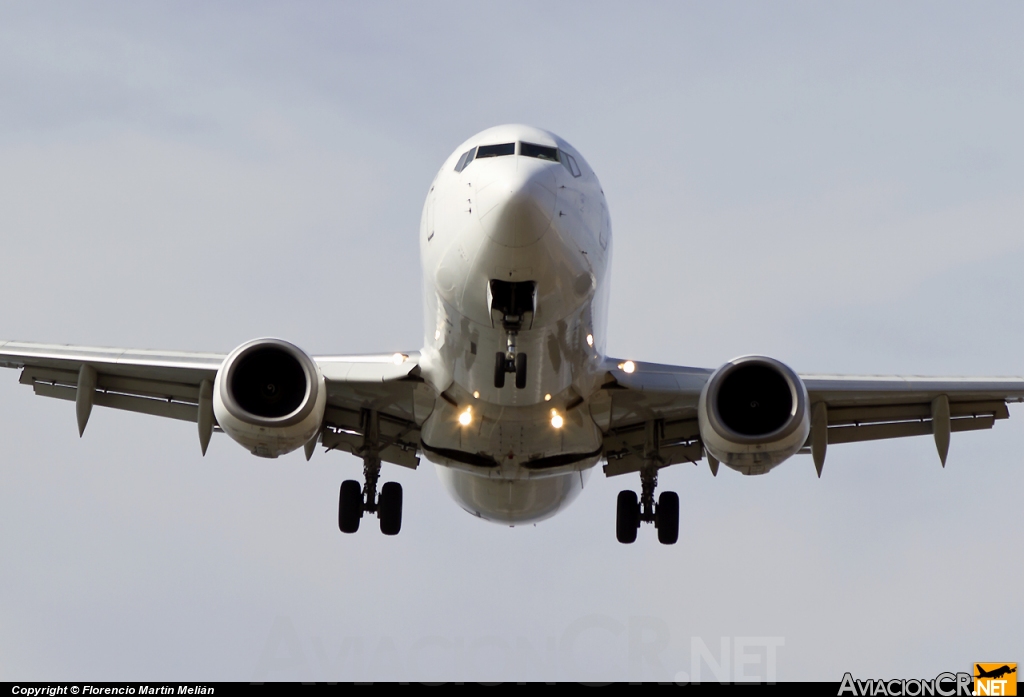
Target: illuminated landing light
[(556, 419), (627, 367), (547, 398), (399, 358), (476, 395), (437, 334), (466, 417), (590, 340)]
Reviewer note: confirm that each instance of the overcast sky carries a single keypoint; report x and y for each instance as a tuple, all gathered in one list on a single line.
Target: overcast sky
[(837, 185)]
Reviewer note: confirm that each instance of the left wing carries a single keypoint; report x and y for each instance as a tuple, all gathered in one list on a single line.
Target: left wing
[(650, 409), (367, 396)]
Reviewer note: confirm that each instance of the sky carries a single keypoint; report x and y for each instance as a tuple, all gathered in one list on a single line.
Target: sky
[(839, 186)]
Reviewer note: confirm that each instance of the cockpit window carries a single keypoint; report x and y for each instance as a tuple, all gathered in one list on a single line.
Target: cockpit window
[(495, 150), (541, 152), (570, 163), (466, 158)]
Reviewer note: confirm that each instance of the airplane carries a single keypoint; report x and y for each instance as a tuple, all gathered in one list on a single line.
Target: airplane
[(512, 396), (996, 673)]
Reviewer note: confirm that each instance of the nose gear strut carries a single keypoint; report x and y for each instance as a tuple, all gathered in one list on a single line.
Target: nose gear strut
[(513, 304), (510, 361)]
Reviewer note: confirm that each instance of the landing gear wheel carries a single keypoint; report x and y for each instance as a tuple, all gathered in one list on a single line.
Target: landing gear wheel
[(350, 506), (627, 517), (389, 508), (666, 517), (520, 371), (499, 369)]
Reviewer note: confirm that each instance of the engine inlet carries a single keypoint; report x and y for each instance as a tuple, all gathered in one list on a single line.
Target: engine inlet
[(754, 400), (269, 382)]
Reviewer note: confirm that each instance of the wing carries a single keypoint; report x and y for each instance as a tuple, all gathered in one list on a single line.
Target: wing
[(162, 383), (645, 409), (654, 408), (880, 407), (375, 402), (367, 396)]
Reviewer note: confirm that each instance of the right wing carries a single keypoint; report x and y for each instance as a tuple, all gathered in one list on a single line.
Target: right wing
[(378, 400), (161, 383)]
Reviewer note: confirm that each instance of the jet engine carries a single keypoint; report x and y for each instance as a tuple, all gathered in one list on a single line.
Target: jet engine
[(269, 396), (753, 414)]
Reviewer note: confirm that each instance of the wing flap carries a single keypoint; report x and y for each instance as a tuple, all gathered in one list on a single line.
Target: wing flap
[(154, 389), (662, 442), (842, 416), (864, 423), (883, 431), (350, 430), (140, 405)]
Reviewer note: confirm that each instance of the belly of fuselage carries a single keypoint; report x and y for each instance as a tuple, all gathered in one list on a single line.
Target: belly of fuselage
[(512, 502)]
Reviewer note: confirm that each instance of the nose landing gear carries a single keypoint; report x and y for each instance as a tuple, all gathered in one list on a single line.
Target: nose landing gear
[(510, 362), (513, 304)]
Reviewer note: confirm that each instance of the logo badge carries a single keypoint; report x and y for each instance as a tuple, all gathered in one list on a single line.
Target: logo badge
[(995, 679)]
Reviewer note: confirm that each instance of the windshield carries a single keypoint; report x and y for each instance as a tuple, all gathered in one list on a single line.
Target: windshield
[(541, 152)]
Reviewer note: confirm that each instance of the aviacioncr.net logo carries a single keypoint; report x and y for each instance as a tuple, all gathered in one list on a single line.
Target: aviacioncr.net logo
[(943, 685)]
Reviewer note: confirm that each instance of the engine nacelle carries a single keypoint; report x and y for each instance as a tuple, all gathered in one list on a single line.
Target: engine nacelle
[(753, 414), (270, 397)]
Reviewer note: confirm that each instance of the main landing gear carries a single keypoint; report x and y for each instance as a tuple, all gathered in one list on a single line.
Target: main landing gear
[(356, 500), (630, 511)]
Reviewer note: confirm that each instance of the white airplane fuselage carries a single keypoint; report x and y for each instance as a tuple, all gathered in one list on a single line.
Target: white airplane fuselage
[(517, 455)]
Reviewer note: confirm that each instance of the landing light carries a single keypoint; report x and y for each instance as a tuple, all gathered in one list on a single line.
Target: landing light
[(556, 419), (547, 398), (437, 334), (590, 339), (627, 367), (466, 417), (399, 358), (476, 395)]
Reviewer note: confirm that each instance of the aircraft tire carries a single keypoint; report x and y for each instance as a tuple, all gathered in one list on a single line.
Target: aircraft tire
[(520, 371), (350, 506), (499, 370), (666, 517), (390, 508), (627, 517)]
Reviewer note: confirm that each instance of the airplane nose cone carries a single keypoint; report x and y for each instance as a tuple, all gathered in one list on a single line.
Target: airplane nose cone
[(517, 205)]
